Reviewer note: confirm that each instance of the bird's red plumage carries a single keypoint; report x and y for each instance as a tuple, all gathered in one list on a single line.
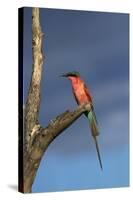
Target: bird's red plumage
[(80, 91)]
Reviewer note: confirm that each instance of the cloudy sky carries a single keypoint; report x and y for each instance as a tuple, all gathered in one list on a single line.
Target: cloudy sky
[(96, 45)]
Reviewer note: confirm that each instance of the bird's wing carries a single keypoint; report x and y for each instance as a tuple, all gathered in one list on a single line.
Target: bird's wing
[(90, 99), (87, 93)]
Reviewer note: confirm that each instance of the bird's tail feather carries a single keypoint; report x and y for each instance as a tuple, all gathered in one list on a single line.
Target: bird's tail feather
[(98, 152), (95, 132), (93, 123)]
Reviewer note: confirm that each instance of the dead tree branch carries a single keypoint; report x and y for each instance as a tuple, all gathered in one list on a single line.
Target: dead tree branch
[(37, 138), (42, 139), (33, 99)]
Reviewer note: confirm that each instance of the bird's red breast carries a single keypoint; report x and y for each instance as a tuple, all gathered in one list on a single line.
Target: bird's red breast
[(80, 90)]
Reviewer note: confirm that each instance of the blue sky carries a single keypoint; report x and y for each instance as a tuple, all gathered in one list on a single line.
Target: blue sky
[(96, 45)]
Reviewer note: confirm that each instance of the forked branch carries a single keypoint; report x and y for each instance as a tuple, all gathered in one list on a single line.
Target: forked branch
[(37, 138)]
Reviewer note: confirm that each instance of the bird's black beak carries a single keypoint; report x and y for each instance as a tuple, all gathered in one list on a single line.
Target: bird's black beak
[(63, 75)]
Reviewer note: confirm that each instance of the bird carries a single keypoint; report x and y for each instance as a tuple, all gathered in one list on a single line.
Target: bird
[(82, 96)]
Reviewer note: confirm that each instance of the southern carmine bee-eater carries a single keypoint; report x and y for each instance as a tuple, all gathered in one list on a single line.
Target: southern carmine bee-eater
[(82, 96)]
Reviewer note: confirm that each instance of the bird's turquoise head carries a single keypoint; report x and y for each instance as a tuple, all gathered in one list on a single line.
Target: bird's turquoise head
[(71, 74)]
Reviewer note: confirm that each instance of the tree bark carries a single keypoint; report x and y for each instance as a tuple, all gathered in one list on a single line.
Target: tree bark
[(37, 138), (33, 100)]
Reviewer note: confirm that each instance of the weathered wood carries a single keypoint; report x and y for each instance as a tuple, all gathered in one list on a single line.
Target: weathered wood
[(42, 139), (37, 139), (33, 99)]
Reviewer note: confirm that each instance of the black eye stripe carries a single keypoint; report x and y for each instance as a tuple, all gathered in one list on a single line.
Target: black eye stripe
[(72, 75)]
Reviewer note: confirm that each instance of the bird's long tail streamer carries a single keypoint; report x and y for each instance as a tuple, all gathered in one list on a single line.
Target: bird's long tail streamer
[(98, 152)]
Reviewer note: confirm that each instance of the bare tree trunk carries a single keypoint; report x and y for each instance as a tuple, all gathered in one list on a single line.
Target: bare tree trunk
[(33, 100), (37, 138)]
